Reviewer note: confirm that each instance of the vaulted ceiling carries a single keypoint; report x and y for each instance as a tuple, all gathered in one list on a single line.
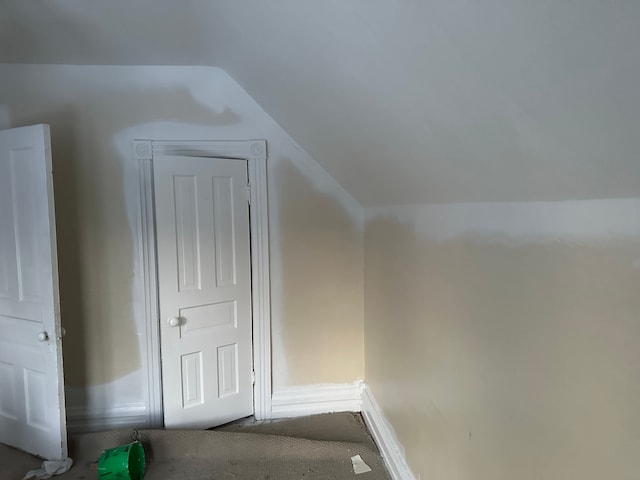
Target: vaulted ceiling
[(402, 102)]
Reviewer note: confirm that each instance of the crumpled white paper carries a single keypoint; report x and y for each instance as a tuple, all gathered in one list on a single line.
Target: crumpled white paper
[(359, 466), (49, 469)]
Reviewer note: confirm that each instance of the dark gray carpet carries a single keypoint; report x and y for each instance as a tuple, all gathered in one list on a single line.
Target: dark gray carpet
[(315, 447)]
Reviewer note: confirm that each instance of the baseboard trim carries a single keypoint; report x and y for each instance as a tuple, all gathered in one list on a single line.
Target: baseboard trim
[(287, 403), (385, 437), (126, 415), (314, 399)]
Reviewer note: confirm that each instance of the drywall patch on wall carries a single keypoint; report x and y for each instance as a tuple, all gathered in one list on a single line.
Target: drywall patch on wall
[(127, 390), (507, 352), (521, 221)]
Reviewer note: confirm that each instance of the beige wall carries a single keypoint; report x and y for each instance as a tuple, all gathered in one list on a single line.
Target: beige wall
[(322, 297), (503, 341), (315, 227)]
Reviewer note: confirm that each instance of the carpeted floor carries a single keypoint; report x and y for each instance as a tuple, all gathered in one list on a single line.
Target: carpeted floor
[(315, 447)]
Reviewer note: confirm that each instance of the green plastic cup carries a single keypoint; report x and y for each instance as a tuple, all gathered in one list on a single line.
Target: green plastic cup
[(125, 462)]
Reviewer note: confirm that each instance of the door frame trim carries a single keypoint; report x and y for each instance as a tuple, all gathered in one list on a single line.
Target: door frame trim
[(255, 154)]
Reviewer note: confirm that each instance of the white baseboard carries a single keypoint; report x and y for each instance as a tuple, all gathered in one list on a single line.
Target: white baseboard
[(314, 399), (126, 415), (384, 436), (291, 402)]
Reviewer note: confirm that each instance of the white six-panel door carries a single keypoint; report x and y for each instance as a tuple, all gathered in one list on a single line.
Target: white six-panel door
[(204, 280), (32, 412)]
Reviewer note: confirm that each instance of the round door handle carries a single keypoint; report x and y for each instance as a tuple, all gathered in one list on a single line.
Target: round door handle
[(43, 336), (173, 321)]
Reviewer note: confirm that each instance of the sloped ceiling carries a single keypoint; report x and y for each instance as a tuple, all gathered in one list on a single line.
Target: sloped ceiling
[(402, 102)]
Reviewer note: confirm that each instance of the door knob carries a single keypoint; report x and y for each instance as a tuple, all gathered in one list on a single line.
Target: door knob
[(43, 336), (173, 321)]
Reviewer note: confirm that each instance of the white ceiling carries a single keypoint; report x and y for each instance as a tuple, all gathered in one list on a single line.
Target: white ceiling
[(402, 102)]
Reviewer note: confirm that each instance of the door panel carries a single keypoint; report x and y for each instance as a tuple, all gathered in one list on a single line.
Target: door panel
[(204, 279), (32, 411)]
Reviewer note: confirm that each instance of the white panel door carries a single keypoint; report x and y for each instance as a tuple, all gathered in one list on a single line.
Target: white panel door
[(32, 412), (204, 281)]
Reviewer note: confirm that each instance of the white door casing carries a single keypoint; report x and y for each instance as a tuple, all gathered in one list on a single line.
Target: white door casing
[(255, 154), (204, 279), (32, 409)]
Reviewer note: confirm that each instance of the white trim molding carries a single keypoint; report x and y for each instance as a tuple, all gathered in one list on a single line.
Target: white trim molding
[(255, 154), (385, 437), (314, 399), (129, 415), (147, 247), (356, 397)]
